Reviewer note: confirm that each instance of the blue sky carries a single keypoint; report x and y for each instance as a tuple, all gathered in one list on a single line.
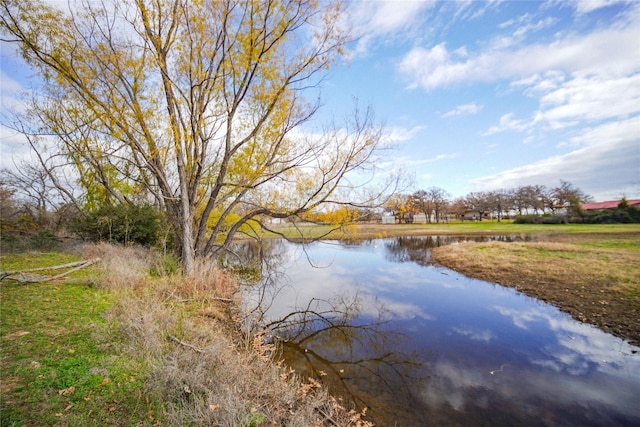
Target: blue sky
[(484, 95), (481, 95)]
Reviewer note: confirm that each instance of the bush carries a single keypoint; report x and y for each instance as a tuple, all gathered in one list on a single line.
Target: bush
[(539, 219), (44, 240), (623, 214), (126, 224), (165, 265), (11, 241)]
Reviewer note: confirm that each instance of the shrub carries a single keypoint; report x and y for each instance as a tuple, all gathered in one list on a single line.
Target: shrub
[(539, 219), (623, 214), (44, 240), (165, 265), (124, 224)]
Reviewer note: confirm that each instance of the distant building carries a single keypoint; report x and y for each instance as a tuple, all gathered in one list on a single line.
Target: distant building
[(611, 204), (388, 219), (474, 215), (419, 218)]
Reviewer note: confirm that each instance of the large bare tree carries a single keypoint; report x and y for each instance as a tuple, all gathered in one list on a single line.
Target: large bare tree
[(198, 104)]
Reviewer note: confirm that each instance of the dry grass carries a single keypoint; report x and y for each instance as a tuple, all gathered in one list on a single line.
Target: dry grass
[(200, 364), (596, 280), (545, 262)]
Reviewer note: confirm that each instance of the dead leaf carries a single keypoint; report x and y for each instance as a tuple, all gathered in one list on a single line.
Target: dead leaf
[(16, 334), (66, 391)]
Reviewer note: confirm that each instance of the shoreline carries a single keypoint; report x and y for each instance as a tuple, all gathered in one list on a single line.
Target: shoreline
[(565, 275)]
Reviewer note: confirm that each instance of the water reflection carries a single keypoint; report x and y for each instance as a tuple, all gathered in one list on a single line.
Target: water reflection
[(421, 345), (364, 362)]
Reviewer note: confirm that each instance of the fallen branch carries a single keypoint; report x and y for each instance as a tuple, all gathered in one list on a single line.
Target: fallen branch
[(173, 295), (185, 344), (327, 417), (86, 264), (24, 276)]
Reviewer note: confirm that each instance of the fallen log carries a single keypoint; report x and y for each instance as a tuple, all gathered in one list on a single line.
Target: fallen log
[(25, 276)]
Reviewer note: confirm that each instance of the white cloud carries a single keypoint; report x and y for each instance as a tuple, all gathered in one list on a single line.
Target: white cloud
[(9, 87), (465, 109), (415, 162), (524, 24), (605, 164), (13, 148), (586, 6), (484, 335), (583, 98), (537, 26), (465, 11), (397, 134), (607, 53), (515, 21), (590, 98), (540, 83), (508, 123), (382, 18)]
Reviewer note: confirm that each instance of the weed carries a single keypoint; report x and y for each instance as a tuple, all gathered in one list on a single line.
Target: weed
[(139, 350), (58, 369)]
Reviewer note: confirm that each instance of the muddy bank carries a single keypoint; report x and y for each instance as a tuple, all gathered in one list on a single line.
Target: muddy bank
[(596, 282)]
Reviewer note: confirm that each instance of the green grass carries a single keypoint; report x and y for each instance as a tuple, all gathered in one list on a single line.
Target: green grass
[(626, 243), (56, 369), (459, 228)]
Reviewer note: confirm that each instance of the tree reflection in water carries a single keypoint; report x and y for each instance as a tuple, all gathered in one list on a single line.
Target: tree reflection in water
[(363, 362), (416, 249), (493, 355), (356, 355)]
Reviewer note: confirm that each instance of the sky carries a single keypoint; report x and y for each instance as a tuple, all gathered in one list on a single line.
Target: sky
[(481, 95), (484, 95)]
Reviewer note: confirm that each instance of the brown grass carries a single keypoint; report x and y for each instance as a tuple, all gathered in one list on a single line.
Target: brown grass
[(200, 364), (594, 280)]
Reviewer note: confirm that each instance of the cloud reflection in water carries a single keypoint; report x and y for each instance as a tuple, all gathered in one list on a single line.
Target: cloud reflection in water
[(485, 353)]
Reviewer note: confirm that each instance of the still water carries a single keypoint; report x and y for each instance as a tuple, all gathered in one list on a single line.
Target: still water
[(423, 345)]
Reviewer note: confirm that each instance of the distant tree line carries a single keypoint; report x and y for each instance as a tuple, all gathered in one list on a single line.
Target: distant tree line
[(622, 214), (34, 214), (528, 203)]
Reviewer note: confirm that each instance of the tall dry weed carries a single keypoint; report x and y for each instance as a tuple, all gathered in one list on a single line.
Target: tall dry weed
[(122, 267), (203, 368), (207, 281)]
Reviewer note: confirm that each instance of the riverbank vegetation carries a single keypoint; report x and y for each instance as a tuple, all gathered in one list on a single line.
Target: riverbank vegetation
[(594, 277), (124, 343), (311, 231), (129, 341)]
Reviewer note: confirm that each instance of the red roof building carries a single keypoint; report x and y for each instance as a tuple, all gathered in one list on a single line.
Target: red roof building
[(596, 206)]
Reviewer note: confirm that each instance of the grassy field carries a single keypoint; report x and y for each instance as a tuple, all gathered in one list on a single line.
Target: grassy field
[(308, 231), (54, 370), (595, 277), (95, 348), (115, 345), (368, 231)]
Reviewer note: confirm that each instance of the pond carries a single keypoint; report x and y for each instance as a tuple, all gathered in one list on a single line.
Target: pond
[(419, 345)]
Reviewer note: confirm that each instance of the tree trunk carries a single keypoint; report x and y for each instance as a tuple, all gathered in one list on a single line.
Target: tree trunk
[(188, 254)]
